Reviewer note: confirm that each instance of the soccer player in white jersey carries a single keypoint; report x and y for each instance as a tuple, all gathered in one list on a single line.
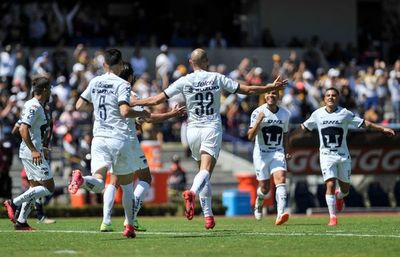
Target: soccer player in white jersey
[(141, 168), (202, 92), (332, 122), (269, 126), (33, 128), (109, 96)]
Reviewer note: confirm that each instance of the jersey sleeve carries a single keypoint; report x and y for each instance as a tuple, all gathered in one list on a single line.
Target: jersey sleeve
[(228, 84), (124, 93), (311, 122), (175, 88), (354, 120), (253, 117), (86, 95), (29, 114)]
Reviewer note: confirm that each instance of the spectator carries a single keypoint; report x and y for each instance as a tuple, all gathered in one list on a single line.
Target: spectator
[(164, 66), (7, 64), (394, 89), (138, 62), (64, 18), (6, 158), (37, 30), (42, 65), (218, 41), (62, 90), (177, 179)]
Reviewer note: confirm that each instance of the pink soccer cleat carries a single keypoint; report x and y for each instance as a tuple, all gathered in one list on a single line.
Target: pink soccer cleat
[(189, 197), (332, 221), (339, 202), (129, 231), (210, 223), (282, 219), (11, 210), (76, 181)]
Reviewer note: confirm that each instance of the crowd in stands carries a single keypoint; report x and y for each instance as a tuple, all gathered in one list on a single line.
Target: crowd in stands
[(52, 23), (372, 91)]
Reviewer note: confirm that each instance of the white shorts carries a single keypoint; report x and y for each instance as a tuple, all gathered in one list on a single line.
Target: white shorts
[(35, 172), (120, 157), (205, 139), (267, 162), (335, 166)]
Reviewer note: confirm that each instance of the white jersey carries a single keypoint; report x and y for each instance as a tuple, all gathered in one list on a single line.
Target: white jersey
[(202, 92), (33, 115), (332, 128), (272, 128), (106, 93)]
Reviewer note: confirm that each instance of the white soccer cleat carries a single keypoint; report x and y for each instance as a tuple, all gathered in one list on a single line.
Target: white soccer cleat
[(258, 208)]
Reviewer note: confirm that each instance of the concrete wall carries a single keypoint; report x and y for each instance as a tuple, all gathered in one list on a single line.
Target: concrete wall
[(331, 20)]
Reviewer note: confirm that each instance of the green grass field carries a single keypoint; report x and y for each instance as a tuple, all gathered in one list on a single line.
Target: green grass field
[(175, 236)]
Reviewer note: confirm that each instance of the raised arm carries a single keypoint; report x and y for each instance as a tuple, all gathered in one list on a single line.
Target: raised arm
[(153, 100), (373, 126), (160, 117), (278, 84), (127, 112)]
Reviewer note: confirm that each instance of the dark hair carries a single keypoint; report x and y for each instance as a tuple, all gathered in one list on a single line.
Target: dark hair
[(112, 56), (39, 84), (126, 71), (334, 89)]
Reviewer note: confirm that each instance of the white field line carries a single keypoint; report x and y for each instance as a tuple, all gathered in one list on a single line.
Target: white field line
[(221, 233)]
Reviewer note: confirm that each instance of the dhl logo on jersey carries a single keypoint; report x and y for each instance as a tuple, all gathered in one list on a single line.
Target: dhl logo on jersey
[(331, 122)]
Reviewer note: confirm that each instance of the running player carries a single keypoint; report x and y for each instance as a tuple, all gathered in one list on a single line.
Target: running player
[(34, 125), (109, 96), (202, 92), (332, 122), (141, 168), (269, 126)]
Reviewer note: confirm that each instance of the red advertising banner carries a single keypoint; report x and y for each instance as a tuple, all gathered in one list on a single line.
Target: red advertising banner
[(373, 161)]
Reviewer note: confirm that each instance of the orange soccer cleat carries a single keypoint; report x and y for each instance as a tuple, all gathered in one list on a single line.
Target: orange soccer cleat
[(210, 223), (76, 181), (189, 197)]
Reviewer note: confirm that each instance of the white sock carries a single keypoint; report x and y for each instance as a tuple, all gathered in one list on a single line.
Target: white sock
[(108, 202), (128, 202), (342, 195), (93, 184), (26, 209), (199, 181), (205, 199), (32, 193), (331, 202), (280, 196), (140, 193)]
